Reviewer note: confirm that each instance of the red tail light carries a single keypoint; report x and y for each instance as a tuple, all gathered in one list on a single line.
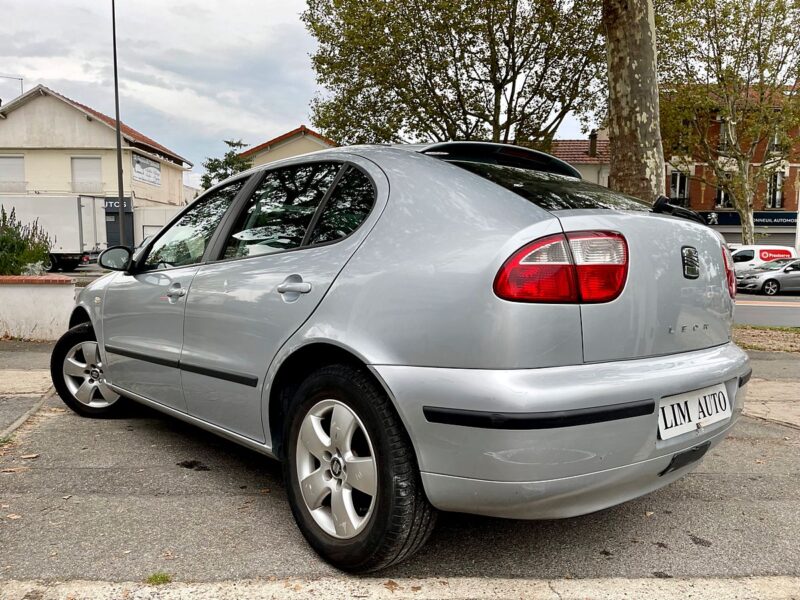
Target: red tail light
[(730, 274), (582, 266)]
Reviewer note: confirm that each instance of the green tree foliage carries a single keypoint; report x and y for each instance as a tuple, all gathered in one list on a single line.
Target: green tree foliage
[(430, 70), (21, 244), (219, 169), (732, 66)]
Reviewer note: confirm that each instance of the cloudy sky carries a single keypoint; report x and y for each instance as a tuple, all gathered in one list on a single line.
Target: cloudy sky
[(191, 73)]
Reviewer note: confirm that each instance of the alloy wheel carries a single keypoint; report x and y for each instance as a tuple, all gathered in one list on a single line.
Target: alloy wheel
[(83, 374), (771, 288), (336, 469)]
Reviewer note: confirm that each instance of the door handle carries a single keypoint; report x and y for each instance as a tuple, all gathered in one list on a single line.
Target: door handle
[(176, 292), (296, 287)]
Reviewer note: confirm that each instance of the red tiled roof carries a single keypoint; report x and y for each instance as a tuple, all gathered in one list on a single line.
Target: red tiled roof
[(132, 135), (129, 132), (302, 130), (577, 152)]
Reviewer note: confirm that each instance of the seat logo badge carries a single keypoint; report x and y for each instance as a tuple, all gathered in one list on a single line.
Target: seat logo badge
[(691, 262)]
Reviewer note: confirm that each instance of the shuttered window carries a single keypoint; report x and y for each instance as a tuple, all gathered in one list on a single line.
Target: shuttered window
[(12, 174), (86, 174)]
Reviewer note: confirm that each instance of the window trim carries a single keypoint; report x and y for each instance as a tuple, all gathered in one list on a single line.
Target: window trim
[(217, 246)]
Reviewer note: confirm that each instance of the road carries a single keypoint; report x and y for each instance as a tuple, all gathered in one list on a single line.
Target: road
[(118, 500), (777, 311)]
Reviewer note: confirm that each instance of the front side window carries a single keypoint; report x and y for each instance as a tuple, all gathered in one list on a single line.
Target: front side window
[(280, 210), (775, 191), (743, 256), (185, 242), (348, 206)]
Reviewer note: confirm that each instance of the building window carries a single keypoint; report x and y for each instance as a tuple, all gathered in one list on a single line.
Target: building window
[(724, 132), (12, 174), (87, 176), (775, 190), (679, 188), (774, 144), (723, 199)]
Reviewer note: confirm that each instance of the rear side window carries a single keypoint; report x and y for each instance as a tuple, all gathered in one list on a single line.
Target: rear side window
[(550, 191), (743, 256), (348, 206), (279, 212)]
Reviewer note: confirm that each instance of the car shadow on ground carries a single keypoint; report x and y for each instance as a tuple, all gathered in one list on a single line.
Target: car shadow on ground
[(461, 544)]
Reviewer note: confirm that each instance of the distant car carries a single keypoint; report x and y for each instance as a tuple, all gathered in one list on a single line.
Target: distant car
[(749, 257), (461, 326), (771, 278)]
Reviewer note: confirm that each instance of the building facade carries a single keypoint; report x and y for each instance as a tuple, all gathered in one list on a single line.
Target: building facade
[(53, 146), (775, 204), (292, 143)]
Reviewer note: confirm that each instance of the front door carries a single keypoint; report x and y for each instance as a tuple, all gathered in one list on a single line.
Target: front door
[(277, 262), (791, 277), (143, 311)]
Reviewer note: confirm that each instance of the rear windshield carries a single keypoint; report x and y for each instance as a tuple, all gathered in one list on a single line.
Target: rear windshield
[(550, 191)]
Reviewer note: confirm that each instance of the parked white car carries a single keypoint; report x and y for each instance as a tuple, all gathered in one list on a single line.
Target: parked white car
[(746, 258)]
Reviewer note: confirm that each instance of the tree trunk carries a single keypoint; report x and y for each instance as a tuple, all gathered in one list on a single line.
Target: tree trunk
[(744, 206), (637, 157)]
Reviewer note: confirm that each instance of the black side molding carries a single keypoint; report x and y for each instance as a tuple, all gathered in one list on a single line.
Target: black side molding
[(538, 420), (745, 378), (241, 378), (164, 362)]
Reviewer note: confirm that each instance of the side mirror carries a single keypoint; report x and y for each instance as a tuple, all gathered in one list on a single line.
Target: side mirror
[(117, 258)]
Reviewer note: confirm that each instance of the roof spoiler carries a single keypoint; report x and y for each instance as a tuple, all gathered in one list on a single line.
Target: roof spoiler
[(662, 205), (500, 154)]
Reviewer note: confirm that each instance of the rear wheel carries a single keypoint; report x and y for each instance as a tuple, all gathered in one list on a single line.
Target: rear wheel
[(353, 482), (771, 287), (78, 375)]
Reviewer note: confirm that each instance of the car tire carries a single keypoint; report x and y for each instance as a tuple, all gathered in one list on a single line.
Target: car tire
[(77, 372), (771, 287), (382, 529)]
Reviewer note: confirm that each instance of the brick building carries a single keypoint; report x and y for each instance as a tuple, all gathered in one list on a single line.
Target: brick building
[(776, 202)]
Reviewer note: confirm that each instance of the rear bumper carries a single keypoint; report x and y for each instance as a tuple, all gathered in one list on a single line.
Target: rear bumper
[(585, 439)]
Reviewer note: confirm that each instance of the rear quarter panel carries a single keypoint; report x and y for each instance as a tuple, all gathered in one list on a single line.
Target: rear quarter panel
[(419, 289)]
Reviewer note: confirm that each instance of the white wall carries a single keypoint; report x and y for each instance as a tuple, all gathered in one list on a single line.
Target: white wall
[(35, 312)]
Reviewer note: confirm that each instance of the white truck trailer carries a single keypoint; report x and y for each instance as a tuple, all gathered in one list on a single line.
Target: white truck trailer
[(76, 225)]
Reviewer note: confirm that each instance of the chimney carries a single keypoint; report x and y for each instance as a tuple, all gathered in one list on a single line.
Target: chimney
[(593, 143)]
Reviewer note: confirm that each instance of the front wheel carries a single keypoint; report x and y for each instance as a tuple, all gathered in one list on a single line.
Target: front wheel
[(771, 287), (78, 375), (353, 482)]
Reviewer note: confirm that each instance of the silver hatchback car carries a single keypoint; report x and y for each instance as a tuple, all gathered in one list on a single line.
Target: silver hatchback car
[(771, 278), (461, 326)]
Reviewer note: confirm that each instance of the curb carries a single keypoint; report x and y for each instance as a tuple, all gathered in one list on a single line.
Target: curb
[(28, 414)]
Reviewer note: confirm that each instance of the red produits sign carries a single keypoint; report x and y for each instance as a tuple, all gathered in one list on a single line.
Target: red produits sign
[(774, 253)]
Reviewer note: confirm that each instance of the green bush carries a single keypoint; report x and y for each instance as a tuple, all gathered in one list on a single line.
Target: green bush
[(21, 244)]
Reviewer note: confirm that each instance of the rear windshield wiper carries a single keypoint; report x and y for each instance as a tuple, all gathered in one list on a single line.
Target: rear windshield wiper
[(662, 205)]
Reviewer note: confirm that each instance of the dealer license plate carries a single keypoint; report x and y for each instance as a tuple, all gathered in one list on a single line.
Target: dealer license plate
[(693, 410)]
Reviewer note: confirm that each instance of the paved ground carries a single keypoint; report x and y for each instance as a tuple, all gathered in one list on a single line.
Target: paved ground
[(778, 311), (116, 501), (120, 500)]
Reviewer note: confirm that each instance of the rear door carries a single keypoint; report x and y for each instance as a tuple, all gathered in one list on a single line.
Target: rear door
[(143, 311), (277, 261)]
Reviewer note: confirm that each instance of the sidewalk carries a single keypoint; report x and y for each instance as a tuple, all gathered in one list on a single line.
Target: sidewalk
[(774, 390), (24, 379), (773, 393)]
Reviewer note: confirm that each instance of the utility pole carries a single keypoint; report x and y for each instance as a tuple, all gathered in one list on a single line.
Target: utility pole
[(120, 188)]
